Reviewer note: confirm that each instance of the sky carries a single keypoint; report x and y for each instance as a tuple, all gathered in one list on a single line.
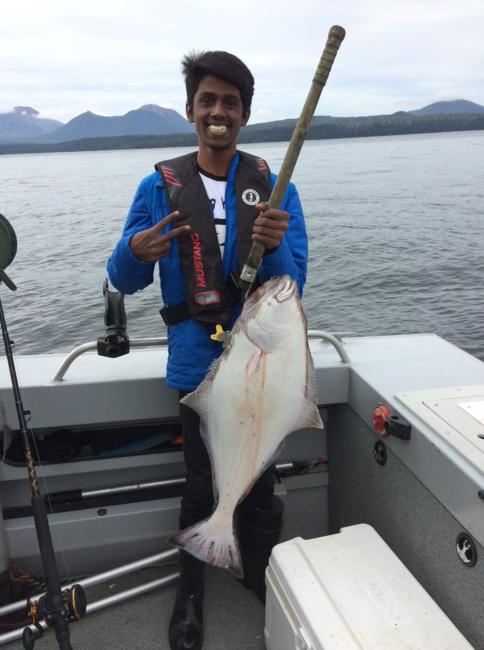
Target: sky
[(64, 57)]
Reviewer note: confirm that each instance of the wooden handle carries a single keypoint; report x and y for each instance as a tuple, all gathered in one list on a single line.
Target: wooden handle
[(335, 38)]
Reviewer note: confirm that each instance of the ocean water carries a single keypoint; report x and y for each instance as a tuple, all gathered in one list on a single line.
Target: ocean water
[(395, 229)]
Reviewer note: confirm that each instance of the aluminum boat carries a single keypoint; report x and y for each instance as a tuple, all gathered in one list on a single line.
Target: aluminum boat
[(402, 451)]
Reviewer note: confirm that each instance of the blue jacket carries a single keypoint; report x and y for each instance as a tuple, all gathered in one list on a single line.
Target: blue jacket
[(190, 349)]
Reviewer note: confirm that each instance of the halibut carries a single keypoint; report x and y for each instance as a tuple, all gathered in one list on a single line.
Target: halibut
[(260, 389)]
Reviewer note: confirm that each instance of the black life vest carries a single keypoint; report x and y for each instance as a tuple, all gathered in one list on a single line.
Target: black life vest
[(209, 297)]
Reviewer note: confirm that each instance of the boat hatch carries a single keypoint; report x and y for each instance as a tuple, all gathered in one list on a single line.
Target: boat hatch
[(455, 414)]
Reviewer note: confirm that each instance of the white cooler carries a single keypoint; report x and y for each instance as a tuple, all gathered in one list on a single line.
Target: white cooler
[(350, 591)]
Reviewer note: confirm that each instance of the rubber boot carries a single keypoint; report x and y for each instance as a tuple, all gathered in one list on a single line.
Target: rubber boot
[(258, 532), (186, 623)]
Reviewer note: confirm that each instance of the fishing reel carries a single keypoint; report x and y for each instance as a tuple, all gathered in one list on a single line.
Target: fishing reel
[(8, 250), (74, 606)]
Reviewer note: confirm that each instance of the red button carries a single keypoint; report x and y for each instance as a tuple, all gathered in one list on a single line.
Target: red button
[(381, 414)]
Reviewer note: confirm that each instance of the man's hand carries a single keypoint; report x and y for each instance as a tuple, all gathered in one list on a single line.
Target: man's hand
[(148, 246), (270, 226)]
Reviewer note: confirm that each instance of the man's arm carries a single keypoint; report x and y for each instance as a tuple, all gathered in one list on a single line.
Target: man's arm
[(142, 244), (127, 273)]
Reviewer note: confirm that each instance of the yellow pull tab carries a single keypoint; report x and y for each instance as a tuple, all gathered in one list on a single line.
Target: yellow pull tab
[(219, 335), (32, 610)]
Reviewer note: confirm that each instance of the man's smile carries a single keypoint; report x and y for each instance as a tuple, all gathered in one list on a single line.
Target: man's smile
[(217, 129)]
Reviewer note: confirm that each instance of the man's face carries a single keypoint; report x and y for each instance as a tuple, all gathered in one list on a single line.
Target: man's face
[(218, 113)]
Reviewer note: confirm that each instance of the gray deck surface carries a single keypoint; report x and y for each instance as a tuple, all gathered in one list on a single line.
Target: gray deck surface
[(234, 617)]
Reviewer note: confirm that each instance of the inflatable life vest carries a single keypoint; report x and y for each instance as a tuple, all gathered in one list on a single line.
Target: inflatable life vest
[(209, 296)]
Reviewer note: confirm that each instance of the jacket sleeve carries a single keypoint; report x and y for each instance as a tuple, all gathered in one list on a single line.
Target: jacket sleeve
[(126, 272), (291, 256)]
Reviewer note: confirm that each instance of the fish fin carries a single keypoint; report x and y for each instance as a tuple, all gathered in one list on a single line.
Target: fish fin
[(310, 416), (205, 542), (206, 439), (311, 392), (198, 401), (213, 367)]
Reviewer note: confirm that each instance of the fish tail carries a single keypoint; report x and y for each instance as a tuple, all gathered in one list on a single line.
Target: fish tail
[(208, 543)]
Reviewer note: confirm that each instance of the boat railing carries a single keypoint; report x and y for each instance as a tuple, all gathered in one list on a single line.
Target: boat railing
[(334, 339), (92, 345)]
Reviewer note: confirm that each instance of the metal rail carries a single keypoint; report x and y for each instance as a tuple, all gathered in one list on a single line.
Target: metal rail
[(132, 488), (92, 345), (334, 339), (117, 572), (101, 604), (72, 495)]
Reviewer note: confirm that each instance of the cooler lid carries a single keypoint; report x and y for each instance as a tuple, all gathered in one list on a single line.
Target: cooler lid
[(350, 591)]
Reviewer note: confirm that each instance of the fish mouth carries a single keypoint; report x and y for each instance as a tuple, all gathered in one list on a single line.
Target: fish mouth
[(287, 289), (278, 288)]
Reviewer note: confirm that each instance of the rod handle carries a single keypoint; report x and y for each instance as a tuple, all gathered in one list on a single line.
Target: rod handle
[(335, 38)]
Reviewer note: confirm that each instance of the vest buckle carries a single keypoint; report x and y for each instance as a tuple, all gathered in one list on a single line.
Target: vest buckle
[(220, 334)]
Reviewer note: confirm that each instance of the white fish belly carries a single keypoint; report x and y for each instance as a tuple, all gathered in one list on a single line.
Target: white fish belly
[(260, 390), (256, 399)]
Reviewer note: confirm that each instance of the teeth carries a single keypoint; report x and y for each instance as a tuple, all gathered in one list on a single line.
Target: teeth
[(217, 128)]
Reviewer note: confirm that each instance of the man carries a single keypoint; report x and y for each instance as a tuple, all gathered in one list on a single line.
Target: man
[(196, 216)]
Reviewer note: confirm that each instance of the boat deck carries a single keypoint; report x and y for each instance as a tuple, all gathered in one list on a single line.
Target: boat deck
[(234, 617)]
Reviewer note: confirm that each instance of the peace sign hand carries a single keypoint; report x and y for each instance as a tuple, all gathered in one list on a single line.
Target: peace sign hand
[(148, 246)]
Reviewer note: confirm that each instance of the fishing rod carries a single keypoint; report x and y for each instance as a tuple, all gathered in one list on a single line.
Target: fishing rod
[(335, 38), (57, 607)]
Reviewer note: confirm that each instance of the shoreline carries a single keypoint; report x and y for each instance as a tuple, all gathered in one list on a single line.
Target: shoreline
[(321, 129)]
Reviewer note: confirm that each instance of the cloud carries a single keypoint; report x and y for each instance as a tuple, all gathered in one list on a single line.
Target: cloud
[(109, 57)]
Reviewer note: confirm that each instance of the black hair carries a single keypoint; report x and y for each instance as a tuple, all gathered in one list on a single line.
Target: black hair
[(224, 65)]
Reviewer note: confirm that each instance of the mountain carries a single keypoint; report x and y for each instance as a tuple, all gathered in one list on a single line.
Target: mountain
[(146, 120), (23, 124), (455, 106), (322, 127)]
